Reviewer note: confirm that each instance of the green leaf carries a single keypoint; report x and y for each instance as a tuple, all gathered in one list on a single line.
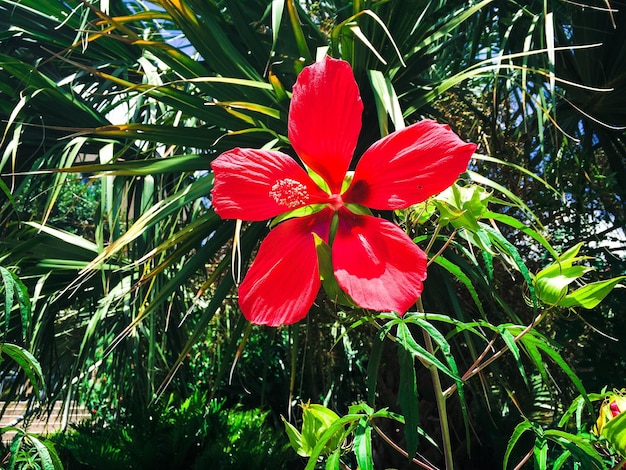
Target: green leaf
[(327, 274), (413, 347), (542, 343), (459, 275), (316, 420), (520, 429), (615, 433), (363, 445), (552, 281), (47, 455), (296, 24), (373, 364), (590, 295), (407, 390), (9, 283), (387, 105), (16, 443), (577, 407), (561, 460), (578, 446), (295, 439), (523, 227), (510, 251), (332, 438), (444, 347), (66, 237), (540, 449), (28, 363), (552, 285), (300, 212), (152, 166), (334, 460), (509, 340), (463, 206), (480, 179), (281, 94)]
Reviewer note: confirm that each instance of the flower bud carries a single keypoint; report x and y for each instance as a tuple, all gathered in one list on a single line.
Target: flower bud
[(612, 406)]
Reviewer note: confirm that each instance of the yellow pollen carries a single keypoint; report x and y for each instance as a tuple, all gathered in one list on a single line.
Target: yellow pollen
[(289, 193)]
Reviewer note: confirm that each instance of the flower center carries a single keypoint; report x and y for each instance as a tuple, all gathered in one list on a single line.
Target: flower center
[(290, 193), (335, 202)]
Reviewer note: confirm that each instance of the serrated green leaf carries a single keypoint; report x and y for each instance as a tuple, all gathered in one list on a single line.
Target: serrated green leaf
[(16, 443), (540, 449), (57, 464), (520, 429), (523, 227), (24, 302)]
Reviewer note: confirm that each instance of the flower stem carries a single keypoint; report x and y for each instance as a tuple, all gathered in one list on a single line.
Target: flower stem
[(441, 406), (440, 398)]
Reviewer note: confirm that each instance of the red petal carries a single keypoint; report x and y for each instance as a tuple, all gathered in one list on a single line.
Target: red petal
[(409, 166), (377, 264), (325, 119), (284, 279), (259, 184), (614, 408)]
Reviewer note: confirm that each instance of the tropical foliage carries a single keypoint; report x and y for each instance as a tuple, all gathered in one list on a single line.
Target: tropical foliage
[(112, 114)]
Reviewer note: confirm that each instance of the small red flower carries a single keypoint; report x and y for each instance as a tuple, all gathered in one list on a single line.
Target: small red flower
[(373, 260)]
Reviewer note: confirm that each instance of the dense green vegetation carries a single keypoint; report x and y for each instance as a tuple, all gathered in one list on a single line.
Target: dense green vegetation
[(112, 113)]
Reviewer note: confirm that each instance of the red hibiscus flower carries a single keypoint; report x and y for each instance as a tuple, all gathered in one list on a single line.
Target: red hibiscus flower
[(373, 260)]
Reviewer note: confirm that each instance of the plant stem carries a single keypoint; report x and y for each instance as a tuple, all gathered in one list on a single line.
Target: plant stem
[(442, 249), (427, 465), (619, 465), (440, 398), (441, 406), (525, 459), (479, 365)]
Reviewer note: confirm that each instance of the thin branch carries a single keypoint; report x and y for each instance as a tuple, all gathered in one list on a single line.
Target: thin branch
[(476, 368), (443, 248), (401, 451), (525, 459)]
